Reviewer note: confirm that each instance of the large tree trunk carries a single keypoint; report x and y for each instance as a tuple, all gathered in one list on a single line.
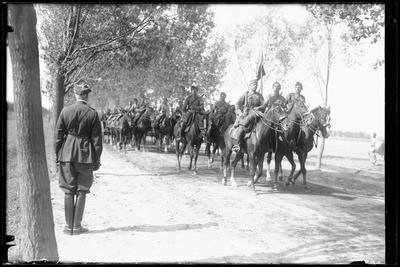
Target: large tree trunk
[(36, 240)]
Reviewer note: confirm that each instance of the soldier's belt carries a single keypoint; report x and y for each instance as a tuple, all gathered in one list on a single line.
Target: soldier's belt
[(80, 137)]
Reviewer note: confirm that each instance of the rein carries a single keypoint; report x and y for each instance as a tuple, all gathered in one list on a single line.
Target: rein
[(265, 121)]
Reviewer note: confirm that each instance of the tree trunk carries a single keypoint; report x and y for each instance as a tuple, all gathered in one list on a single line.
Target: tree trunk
[(328, 72), (36, 240), (59, 95)]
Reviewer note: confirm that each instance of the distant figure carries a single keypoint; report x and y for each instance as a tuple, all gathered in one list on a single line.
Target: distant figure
[(376, 147)]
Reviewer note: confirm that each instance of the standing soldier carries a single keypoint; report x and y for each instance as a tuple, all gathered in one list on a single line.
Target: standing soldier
[(245, 114), (295, 97), (164, 111), (78, 149), (218, 111), (193, 103)]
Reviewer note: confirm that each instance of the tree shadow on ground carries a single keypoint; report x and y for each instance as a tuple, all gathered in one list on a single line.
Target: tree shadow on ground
[(156, 228)]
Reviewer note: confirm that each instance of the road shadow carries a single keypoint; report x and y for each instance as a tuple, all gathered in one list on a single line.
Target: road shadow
[(298, 189), (156, 228)]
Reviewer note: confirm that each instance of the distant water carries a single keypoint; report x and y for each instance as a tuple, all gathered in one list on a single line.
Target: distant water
[(353, 148)]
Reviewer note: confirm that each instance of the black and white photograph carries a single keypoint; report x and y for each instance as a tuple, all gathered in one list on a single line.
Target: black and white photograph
[(195, 133)]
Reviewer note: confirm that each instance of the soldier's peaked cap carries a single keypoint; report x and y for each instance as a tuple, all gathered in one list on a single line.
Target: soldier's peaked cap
[(254, 81), (194, 88), (277, 84), (82, 89), (299, 84)]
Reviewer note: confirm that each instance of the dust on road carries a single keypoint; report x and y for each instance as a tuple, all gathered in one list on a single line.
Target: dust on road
[(141, 210)]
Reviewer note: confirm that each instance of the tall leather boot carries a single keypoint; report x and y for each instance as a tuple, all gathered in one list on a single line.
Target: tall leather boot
[(79, 208), (69, 212)]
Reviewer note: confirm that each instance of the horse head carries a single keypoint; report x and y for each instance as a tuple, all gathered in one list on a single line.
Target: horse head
[(321, 120)]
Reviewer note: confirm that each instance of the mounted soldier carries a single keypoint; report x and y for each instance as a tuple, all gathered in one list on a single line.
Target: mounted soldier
[(295, 97), (245, 115), (141, 108), (274, 99), (218, 112), (163, 111), (192, 104)]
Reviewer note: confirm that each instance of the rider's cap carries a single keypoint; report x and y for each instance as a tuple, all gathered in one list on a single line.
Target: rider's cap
[(299, 84), (276, 83), (194, 88), (82, 89), (253, 82), (222, 94)]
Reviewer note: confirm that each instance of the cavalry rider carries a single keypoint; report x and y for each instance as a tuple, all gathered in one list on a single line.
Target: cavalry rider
[(295, 97), (275, 98), (245, 114), (141, 108), (163, 110), (193, 103), (218, 111)]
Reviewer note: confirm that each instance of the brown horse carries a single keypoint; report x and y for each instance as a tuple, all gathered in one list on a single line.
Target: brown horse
[(285, 142), (255, 146), (165, 128), (317, 120), (142, 127), (192, 138)]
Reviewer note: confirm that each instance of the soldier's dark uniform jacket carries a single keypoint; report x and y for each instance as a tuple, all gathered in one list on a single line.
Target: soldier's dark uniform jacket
[(79, 138), (273, 100), (246, 103), (192, 104), (253, 100), (219, 110), (293, 98)]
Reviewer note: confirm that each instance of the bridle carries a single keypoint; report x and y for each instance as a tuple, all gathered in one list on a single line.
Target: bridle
[(269, 123)]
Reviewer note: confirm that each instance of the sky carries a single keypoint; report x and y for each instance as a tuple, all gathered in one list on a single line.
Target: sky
[(356, 95)]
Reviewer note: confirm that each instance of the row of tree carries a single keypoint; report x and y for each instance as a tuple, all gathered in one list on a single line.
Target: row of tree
[(127, 49)]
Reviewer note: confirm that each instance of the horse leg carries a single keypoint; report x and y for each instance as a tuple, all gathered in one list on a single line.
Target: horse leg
[(269, 158), (280, 176), (215, 148), (177, 152), (191, 151), (253, 166), (260, 169), (227, 157), (305, 172), (233, 166), (289, 156), (278, 160), (196, 154), (208, 154)]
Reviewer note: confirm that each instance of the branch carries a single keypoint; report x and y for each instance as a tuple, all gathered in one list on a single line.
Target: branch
[(144, 23), (76, 29)]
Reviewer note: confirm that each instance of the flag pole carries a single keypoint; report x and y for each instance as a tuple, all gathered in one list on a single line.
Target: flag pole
[(262, 76)]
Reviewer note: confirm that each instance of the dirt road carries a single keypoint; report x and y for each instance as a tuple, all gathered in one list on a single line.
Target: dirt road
[(141, 210)]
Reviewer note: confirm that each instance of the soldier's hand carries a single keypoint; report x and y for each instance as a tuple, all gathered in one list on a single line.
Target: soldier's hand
[(96, 166)]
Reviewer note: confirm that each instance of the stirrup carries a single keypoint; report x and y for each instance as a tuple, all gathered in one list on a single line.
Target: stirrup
[(236, 148)]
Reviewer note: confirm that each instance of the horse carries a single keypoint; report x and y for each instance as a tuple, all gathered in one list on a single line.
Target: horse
[(317, 119), (377, 148), (192, 137), (255, 146), (284, 142), (142, 127), (215, 136), (122, 126), (165, 128)]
